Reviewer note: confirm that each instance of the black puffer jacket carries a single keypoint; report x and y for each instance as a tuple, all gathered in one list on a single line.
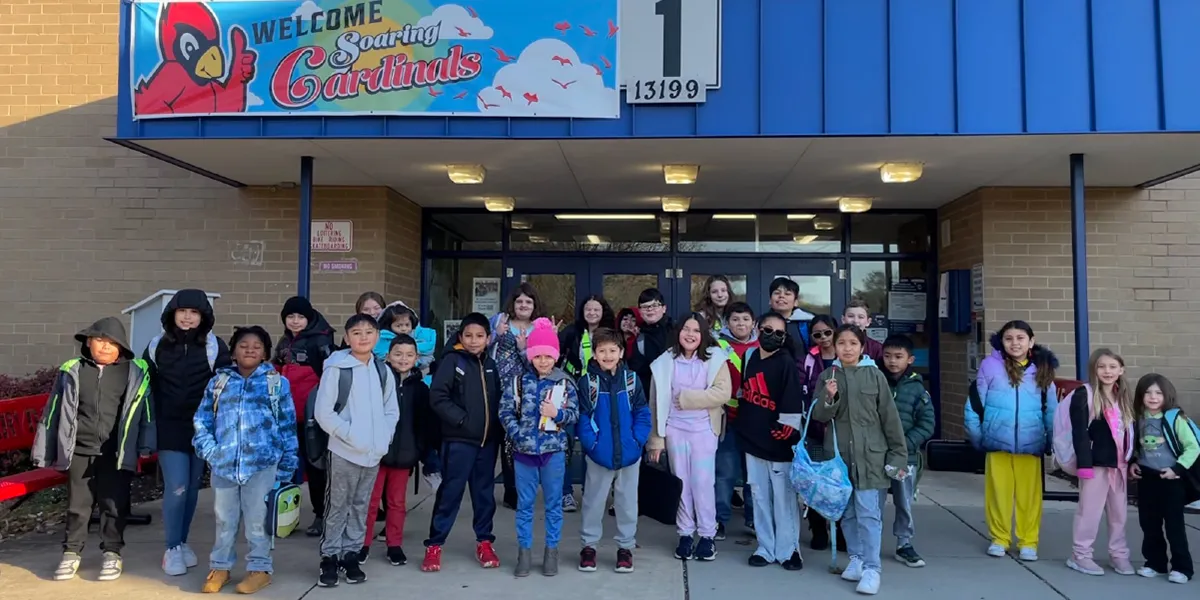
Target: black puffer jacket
[(180, 370), (465, 396), (412, 433)]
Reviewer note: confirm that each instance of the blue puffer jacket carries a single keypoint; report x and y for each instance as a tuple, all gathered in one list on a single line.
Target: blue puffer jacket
[(1013, 419), (249, 426), (521, 423), (614, 423)]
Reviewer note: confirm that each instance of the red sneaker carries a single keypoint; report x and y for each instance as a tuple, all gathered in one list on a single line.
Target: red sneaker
[(486, 556), (433, 560)]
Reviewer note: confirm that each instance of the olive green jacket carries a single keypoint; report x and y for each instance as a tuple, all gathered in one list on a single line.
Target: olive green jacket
[(869, 433)]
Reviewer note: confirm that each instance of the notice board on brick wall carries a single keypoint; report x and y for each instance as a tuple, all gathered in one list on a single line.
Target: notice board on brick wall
[(332, 236)]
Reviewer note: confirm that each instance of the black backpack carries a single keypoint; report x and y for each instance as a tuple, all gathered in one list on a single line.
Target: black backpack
[(316, 441)]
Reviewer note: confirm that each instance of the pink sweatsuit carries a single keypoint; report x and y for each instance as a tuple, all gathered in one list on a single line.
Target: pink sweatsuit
[(1106, 492), (692, 450)]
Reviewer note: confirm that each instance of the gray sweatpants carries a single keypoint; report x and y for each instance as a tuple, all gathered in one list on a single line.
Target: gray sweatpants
[(347, 495), (624, 485)]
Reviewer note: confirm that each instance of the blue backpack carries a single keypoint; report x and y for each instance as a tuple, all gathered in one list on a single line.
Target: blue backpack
[(825, 486), (1192, 479)]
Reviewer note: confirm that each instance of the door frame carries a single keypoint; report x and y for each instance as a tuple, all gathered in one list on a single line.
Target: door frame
[(618, 265), (756, 293), (834, 268)]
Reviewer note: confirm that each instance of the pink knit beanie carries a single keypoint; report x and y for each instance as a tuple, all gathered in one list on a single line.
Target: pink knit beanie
[(543, 340)]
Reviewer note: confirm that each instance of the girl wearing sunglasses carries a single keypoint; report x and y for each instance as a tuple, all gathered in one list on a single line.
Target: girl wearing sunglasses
[(815, 360)]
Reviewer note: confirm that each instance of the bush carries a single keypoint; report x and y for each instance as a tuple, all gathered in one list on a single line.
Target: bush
[(38, 382)]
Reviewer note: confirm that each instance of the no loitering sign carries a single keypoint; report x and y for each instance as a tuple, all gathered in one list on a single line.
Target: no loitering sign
[(332, 236)]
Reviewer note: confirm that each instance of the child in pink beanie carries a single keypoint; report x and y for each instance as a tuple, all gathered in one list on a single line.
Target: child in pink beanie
[(537, 409)]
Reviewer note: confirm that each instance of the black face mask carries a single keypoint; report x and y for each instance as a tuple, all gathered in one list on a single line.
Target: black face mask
[(772, 341)]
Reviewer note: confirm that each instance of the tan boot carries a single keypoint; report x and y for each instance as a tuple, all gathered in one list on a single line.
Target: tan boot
[(216, 580), (254, 581)]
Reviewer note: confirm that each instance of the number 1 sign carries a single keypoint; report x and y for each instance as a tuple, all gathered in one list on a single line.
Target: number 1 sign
[(670, 49)]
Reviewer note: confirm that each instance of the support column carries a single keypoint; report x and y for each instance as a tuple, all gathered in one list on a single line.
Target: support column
[(1079, 274), (304, 266)]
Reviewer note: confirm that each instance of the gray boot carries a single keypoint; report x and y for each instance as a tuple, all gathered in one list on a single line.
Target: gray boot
[(550, 562), (524, 557)]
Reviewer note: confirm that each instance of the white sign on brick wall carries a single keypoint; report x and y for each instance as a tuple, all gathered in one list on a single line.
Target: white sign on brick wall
[(332, 236)]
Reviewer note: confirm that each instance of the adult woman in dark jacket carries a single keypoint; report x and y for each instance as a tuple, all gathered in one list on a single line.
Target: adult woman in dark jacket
[(182, 360), (576, 343)]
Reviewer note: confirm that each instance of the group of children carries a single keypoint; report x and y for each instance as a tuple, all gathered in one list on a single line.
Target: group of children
[(1108, 434), (714, 392)]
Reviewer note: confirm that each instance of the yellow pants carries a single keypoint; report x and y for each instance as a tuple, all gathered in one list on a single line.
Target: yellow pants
[(1008, 476)]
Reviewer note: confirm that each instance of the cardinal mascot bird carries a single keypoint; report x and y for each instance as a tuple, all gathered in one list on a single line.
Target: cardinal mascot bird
[(191, 78)]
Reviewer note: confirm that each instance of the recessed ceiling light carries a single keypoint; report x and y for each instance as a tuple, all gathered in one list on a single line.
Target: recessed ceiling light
[(734, 217), (605, 217), (801, 217), (681, 174), (538, 239), (804, 239), (499, 204), (466, 174), (900, 172), (521, 223), (854, 205), (824, 224), (675, 204)]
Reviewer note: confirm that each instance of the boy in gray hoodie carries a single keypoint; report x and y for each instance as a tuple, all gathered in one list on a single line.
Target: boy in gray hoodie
[(360, 428)]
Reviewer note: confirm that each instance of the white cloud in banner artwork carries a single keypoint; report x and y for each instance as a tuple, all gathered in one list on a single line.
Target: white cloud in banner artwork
[(549, 79), (307, 10), (252, 99), (457, 23)]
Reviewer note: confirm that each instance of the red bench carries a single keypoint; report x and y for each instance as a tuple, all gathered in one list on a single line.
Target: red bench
[(18, 425)]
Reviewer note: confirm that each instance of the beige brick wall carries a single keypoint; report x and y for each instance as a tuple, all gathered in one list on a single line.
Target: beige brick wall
[(965, 248), (1143, 277), (88, 228)]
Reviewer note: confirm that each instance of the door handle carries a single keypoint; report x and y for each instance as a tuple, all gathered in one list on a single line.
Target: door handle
[(667, 273), (508, 273)]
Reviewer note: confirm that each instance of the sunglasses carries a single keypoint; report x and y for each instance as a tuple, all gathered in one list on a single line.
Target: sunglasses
[(770, 330), (824, 333)]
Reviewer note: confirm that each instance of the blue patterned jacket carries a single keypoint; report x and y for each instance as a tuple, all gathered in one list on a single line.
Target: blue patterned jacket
[(520, 419), (246, 425)]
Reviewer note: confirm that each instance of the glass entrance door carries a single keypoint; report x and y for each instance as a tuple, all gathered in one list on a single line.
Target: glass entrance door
[(743, 277), (621, 280), (822, 283), (559, 283)]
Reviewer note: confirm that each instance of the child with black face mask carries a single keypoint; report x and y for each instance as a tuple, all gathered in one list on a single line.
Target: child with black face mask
[(771, 388)]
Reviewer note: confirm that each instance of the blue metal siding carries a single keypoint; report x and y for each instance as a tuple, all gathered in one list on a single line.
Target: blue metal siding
[(1180, 68), (861, 67)]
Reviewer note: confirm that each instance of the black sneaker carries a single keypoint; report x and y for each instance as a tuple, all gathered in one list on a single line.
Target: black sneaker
[(624, 560), (364, 554), (706, 549), (720, 537), (395, 555), (736, 501), (587, 559), (795, 563), (329, 572), (354, 573), (684, 550), (316, 529), (757, 561), (909, 557)]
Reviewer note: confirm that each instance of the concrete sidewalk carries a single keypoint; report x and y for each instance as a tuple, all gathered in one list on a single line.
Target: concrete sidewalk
[(950, 535)]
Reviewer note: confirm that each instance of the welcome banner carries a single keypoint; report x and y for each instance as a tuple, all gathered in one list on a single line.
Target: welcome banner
[(491, 58)]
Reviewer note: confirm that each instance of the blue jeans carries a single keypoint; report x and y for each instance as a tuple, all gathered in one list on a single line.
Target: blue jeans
[(568, 488), (181, 473), (903, 492), (549, 478), (246, 503), (863, 525), (731, 466)]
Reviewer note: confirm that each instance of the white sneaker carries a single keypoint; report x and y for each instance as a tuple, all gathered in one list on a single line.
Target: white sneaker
[(173, 563), (67, 567), (1147, 572), (189, 557), (1177, 577), (111, 568), (996, 550), (568, 504), (854, 570), (869, 585), (1028, 554)]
